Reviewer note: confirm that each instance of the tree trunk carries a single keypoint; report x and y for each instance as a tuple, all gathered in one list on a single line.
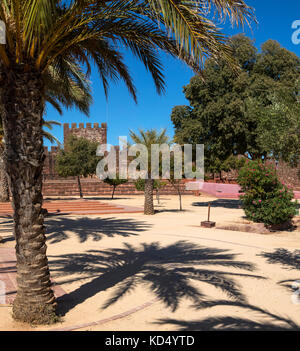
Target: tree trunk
[(79, 187), (176, 186), (4, 189), (113, 192), (180, 201), (157, 195), (22, 107), (148, 207)]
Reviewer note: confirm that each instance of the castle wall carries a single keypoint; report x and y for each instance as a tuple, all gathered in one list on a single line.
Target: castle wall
[(49, 162), (94, 186), (93, 133)]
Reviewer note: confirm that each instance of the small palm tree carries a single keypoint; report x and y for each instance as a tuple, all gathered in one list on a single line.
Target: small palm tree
[(149, 138), (51, 39)]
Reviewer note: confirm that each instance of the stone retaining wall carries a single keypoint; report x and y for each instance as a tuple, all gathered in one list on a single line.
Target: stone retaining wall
[(69, 187)]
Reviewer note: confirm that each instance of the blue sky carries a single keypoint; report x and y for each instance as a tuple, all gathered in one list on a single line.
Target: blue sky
[(153, 111)]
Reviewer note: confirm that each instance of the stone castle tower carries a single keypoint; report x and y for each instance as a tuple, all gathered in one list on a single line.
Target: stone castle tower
[(94, 133)]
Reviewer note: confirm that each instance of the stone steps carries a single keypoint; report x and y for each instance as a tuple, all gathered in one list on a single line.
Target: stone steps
[(77, 207)]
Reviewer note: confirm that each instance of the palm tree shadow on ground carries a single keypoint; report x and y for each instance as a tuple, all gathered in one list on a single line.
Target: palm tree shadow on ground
[(58, 229), (287, 259), (271, 321), (230, 323), (169, 272), (275, 323), (226, 203), (6, 229)]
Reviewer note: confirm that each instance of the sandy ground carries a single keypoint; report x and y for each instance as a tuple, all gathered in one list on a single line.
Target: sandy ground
[(165, 272)]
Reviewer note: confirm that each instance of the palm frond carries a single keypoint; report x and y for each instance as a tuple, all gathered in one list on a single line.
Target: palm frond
[(48, 33)]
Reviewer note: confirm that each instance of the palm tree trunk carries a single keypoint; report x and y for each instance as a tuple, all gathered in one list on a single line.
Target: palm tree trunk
[(79, 187), (148, 207), (4, 189), (22, 106)]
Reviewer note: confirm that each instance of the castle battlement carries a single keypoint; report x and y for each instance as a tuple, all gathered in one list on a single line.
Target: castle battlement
[(92, 133), (53, 149)]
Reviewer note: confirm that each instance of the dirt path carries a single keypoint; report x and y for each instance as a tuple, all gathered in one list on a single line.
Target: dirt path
[(165, 272)]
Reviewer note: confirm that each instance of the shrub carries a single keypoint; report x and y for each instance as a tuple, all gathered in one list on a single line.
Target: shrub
[(265, 200), (114, 182)]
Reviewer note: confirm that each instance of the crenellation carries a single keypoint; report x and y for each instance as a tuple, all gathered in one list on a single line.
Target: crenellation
[(92, 133)]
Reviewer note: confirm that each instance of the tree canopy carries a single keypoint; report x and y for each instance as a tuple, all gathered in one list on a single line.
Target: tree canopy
[(78, 158), (227, 111)]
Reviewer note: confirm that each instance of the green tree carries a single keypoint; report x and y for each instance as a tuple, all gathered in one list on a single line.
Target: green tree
[(78, 159), (148, 138), (279, 127), (115, 182), (226, 110), (52, 39)]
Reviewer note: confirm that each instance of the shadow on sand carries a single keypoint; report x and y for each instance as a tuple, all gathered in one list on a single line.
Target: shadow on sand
[(59, 228), (271, 322), (167, 271), (226, 203), (287, 259)]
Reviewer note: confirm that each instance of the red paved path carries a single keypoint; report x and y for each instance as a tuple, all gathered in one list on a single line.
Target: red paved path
[(222, 191), (8, 276), (76, 207)]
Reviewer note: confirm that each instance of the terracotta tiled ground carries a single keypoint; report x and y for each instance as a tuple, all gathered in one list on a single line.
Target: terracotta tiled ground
[(76, 207), (8, 276)]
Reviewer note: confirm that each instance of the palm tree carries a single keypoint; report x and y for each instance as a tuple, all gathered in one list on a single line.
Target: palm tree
[(51, 38), (4, 187), (60, 91), (149, 138), (47, 135)]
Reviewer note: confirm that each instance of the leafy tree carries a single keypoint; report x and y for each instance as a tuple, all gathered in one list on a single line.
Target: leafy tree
[(48, 41), (78, 159), (114, 182), (148, 138), (279, 127), (226, 110)]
